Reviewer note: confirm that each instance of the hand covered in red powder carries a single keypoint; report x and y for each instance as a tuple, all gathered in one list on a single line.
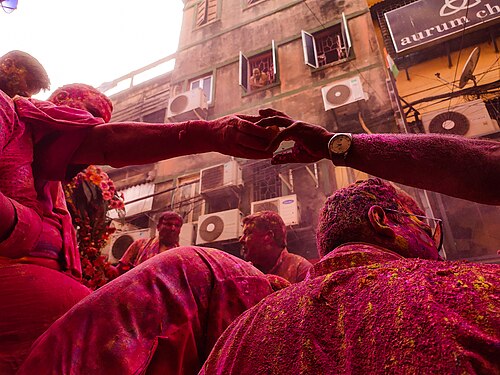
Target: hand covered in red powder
[(311, 141), (242, 136)]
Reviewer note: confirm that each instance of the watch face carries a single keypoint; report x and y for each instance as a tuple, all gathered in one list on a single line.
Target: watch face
[(340, 144)]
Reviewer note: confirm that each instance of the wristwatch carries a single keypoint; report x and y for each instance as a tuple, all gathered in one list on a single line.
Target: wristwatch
[(339, 144)]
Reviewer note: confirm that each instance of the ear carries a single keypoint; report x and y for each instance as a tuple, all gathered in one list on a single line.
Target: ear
[(269, 235), (269, 238), (379, 222)]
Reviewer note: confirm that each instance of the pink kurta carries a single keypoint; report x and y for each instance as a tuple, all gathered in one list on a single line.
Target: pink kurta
[(37, 141), (364, 310), (163, 316)]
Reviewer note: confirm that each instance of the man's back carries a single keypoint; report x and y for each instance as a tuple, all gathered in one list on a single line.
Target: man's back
[(371, 311)]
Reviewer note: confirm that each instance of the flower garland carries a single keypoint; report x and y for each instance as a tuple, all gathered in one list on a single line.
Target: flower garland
[(89, 196)]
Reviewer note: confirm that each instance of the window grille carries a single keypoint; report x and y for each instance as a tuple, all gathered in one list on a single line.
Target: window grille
[(264, 62), (330, 46), (187, 202), (327, 46), (266, 181)]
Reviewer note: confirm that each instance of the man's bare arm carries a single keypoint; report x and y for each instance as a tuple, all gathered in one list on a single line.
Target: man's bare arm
[(456, 166), (121, 144)]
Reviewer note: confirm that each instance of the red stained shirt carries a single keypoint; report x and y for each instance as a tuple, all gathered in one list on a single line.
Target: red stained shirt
[(291, 267), (163, 316), (140, 251), (366, 310)]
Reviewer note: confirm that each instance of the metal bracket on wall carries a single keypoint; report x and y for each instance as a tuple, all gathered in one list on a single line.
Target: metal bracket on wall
[(289, 182), (314, 175)]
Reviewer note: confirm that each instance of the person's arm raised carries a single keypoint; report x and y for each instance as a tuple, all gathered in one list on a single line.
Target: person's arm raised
[(460, 167), (121, 144)]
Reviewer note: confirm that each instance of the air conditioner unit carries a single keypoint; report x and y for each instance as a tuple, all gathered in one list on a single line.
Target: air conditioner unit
[(187, 235), (220, 226), (120, 242), (340, 93), (190, 105), (216, 179), (287, 207), (469, 119)]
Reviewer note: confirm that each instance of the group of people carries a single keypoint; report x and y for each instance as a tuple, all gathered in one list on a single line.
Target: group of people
[(379, 300), (263, 244)]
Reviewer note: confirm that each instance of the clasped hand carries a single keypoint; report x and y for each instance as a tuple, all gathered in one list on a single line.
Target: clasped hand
[(257, 137)]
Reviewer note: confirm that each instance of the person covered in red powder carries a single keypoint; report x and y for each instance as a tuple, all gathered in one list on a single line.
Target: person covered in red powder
[(169, 228), (453, 165), (263, 243), (41, 144), (38, 255), (161, 317), (379, 301)]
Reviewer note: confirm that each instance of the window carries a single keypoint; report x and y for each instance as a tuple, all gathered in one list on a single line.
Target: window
[(266, 181), (327, 46), (164, 193), (187, 202), (157, 117), (258, 71), (204, 83), (207, 12)]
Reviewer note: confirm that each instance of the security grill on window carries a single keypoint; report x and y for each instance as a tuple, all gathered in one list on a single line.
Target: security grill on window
[(266, 181), (264, 63), (327, 46)]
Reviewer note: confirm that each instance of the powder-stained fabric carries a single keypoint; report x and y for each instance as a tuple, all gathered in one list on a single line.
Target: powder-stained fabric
[(365, 310), (291, 267), (140, 251), (37, 141), (163, 316)]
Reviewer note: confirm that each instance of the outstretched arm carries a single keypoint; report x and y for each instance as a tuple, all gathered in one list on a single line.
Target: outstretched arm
[(121, 144), (460, 167), (456, 166)]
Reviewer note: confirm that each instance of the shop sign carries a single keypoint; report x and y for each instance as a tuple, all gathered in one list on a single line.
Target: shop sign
[(425, 21)]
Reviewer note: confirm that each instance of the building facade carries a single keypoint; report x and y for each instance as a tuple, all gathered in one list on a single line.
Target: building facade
[(323, 62)]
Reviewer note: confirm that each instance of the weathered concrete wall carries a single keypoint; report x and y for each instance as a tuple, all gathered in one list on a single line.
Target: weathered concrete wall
[(141, 100), (215, 47), (299, 90)]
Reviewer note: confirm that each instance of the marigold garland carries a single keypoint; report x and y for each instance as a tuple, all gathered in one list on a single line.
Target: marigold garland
[(89, 196)]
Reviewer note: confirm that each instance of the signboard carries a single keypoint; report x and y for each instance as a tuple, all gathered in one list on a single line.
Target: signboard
[(425, 21)]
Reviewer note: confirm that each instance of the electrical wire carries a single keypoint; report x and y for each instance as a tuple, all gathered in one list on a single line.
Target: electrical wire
[(459, 53)]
